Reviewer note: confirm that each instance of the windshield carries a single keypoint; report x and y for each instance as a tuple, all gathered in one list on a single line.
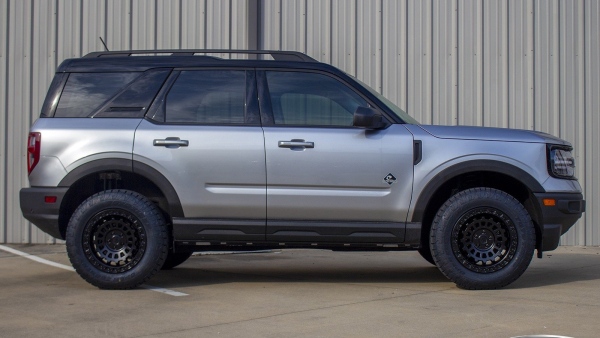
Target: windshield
[(399, 112)]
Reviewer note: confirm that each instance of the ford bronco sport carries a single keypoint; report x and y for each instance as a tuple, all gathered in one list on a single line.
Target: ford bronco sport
[(141, 157)]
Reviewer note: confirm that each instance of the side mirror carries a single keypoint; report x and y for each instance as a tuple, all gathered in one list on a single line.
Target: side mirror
[(369, 118)]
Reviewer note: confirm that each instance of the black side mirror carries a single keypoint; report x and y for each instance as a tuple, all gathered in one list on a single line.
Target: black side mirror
[(369, 118)]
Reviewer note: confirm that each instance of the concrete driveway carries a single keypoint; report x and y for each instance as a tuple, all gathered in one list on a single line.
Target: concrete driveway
[(298, 293)]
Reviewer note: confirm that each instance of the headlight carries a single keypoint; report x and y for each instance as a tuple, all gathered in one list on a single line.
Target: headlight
[(561, 163)]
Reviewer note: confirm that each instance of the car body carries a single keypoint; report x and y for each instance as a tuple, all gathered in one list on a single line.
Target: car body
[(279, 153)]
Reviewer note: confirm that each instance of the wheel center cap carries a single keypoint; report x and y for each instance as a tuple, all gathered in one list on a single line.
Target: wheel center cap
[(483, 239), (115, 241)]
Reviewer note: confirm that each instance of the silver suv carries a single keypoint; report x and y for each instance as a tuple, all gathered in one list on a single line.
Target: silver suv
[(141, 157)]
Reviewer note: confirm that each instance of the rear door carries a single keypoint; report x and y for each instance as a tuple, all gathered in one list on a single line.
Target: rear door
[(205, 138), (328, 181)]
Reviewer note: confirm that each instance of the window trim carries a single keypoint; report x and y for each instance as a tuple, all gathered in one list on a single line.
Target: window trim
[(157, 112), (266, 106)]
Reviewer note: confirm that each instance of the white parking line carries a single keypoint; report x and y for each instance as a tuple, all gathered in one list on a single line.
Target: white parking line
[(36, 258), (163, 290), (70, 268)]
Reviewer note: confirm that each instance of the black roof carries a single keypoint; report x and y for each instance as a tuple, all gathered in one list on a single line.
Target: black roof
[(142, 60)]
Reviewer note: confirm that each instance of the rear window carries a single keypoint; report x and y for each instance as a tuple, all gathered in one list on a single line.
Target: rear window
[(84, 93)]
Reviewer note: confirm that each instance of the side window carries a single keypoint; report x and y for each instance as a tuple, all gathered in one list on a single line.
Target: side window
[(207, 97), (86, 92), (311, 99)]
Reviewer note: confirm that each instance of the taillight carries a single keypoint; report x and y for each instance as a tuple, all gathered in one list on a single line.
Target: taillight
[(33, 150)]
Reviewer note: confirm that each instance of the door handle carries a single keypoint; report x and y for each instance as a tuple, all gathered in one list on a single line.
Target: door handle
[(171, 142), (295, 144)]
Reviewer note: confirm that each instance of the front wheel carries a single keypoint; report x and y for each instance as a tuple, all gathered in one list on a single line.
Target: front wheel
[(482, 238), (117, 239)]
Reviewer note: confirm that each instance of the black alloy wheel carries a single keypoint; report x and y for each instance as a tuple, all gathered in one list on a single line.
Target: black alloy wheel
[(117, 239), (114, 240), (482, 238)]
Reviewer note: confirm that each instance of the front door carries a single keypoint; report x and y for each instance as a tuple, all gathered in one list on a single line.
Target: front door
[(328, 181)]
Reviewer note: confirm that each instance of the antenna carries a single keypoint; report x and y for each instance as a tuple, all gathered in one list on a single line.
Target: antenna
[(104, 43)]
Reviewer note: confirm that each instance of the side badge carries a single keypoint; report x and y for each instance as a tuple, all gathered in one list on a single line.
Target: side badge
[(389, 179)]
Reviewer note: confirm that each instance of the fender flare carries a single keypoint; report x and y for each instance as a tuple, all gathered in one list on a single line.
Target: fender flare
[(120, 164), (471, 166)]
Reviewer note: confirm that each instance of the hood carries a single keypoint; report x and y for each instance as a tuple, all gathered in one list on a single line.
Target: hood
[(492, 134)]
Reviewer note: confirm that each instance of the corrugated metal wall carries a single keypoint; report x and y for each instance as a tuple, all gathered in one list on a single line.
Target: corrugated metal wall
[(531, 64), (35, 36), (518, 64)]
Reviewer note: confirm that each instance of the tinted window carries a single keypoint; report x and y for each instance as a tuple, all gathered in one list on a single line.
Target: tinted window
[(311, 99), (208, 97), (86, 92), (135, 100)]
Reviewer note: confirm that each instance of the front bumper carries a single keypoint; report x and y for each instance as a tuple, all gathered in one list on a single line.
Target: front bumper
[(41, 213), (558, 219)]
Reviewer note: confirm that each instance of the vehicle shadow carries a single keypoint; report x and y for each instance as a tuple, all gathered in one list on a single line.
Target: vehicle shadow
[(208, 270)]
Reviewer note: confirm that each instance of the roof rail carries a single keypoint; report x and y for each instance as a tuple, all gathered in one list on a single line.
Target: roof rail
[(275, 54)]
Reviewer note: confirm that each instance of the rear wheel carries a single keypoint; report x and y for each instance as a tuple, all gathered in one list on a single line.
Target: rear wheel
[(482, 238), (117, 239)]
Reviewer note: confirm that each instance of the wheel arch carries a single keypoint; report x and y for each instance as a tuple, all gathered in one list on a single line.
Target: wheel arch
[(484, 173), (85, 180)]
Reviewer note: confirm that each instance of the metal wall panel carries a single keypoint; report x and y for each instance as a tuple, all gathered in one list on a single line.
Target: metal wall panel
[(470, 62), (590, 160), (35, 36), (520, 64), (118, 25), (193, 31), (495, 63), (19, 80), (531, 64), (43, 66), (343, 32), (420, 60), (394, 50), (445, 63), (546, 85), (572, 91)]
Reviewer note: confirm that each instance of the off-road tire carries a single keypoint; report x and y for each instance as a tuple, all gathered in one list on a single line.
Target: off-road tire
[(175, 258), (117, 239), (482, 238)]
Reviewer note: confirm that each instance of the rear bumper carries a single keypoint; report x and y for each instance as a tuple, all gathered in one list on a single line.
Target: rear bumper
[(558, 219), (42, 214)]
